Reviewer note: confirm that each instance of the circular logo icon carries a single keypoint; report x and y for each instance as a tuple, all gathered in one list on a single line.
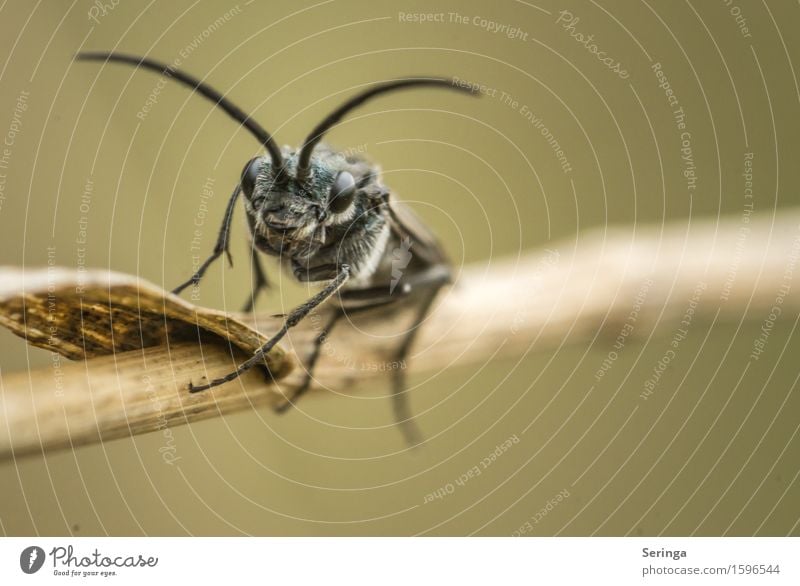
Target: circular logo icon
[(31, 559)]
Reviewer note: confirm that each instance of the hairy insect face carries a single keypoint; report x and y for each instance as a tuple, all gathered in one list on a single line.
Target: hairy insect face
[(319, 223)]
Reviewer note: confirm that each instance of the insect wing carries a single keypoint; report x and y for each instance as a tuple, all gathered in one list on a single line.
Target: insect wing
[(425, 245)]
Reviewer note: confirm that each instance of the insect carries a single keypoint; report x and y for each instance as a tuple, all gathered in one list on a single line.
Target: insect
[(328, 219)]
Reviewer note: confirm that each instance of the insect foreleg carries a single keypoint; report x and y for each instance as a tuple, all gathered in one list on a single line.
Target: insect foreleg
[(220, 247), (337, 314), (292, 320), (353, 301), (260, 278)]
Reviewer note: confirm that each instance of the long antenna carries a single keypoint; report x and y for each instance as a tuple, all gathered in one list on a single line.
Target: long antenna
[(205, 90), (335, 116)]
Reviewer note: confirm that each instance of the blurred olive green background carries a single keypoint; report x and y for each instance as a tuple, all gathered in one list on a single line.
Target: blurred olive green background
[(490, 184)]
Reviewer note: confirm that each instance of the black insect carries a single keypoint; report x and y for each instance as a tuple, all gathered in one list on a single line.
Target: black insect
[(327, 218)]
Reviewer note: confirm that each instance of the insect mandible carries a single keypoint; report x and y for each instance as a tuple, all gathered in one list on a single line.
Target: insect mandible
[(328, 219)]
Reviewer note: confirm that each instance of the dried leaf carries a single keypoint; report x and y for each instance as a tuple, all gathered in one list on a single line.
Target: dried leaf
[(83, 314)]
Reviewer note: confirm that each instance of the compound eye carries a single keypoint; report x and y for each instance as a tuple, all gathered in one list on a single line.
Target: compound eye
[(249, 176), (342, 192)]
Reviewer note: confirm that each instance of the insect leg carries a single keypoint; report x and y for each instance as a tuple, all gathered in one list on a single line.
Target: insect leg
[(296, 315), (366, 299), (402, 411), (260, 278), (220, 247), (427, 283), (312, 360)]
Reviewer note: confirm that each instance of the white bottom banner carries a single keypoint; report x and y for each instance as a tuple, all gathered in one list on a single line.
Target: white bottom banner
[(401, 561)]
